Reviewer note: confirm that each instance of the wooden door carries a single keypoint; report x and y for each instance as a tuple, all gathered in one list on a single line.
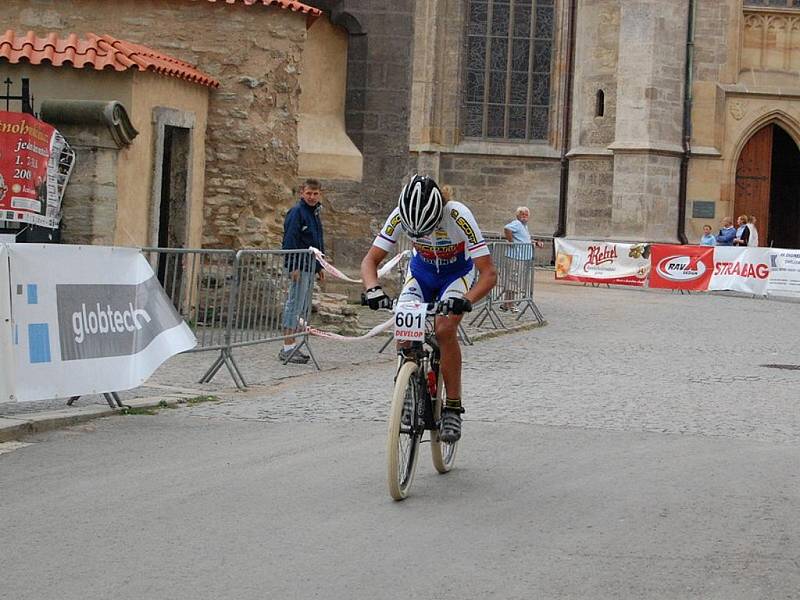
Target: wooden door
[(753, 181)]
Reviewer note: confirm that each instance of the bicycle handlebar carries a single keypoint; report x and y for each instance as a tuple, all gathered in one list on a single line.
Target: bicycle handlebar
[(439, 307)]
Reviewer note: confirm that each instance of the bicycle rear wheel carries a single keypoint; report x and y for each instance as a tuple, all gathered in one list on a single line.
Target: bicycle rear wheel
[(443, 453), (402, 443)]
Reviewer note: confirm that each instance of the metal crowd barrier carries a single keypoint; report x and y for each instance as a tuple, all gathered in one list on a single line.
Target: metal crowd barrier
[(544, 257), (232, 299), (514, 292)]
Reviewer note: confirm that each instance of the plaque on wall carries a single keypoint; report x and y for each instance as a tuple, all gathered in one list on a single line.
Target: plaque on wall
[(703, 209)]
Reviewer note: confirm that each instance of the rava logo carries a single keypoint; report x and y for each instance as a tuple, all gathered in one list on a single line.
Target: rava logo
[(681, 268), (91, 322)]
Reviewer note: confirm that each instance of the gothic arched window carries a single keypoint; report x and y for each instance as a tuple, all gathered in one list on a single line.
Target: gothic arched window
[(509, 51)]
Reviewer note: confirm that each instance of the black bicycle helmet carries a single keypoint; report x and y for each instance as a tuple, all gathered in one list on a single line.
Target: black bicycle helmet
[(420, 205)]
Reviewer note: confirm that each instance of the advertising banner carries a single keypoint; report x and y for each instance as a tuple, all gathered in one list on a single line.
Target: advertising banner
[(740, 269), (676, 267), (6, 347), (784, 273), (602, 262), (30, 170), (88, 320)]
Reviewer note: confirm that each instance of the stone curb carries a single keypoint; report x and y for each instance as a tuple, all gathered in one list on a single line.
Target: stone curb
[(16, 427)]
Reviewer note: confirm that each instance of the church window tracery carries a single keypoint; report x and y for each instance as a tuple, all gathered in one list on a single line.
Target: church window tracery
[(509, 52)]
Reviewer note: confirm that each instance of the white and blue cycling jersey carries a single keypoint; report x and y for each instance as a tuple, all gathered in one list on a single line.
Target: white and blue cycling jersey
[(441, 258)]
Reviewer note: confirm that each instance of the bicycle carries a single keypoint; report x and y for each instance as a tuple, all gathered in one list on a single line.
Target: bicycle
[(418, 381)]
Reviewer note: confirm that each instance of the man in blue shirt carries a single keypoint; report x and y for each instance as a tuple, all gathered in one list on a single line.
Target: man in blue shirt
[(517, 256), (301, 228), (727, 233)]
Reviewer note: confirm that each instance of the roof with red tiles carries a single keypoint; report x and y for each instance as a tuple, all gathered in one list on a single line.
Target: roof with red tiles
[(287, 4), (98, 52)]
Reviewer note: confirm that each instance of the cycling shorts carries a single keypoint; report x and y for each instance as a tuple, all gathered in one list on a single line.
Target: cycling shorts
[(426, 286)]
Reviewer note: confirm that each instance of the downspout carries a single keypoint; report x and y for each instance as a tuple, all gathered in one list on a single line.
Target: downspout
[(566, 125), (687, 124)]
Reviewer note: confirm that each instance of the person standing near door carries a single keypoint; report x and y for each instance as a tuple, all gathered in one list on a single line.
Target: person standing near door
[(751, 225), (302, 228), (742, 232), (727, 232)]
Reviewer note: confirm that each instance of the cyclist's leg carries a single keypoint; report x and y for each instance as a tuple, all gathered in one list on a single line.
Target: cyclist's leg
[(447, 335)]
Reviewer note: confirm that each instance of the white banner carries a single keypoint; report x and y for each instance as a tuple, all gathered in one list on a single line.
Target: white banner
[(87, 320), (784, 273), (6, 346), (602, 262), (740, 269)]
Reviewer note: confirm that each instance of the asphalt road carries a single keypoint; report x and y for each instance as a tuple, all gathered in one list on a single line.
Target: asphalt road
[(616, 453)]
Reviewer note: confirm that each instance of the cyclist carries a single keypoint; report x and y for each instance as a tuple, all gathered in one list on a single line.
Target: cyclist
[(449, 248)]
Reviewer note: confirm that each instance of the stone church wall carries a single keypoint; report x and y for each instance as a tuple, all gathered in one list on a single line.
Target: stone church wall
[(256, 54), (493, 186)]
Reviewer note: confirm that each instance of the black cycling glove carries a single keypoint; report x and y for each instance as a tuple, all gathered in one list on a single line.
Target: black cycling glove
[(376, 298), (456, 306)]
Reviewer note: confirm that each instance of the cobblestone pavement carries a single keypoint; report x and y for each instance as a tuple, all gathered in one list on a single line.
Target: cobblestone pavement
[(616, 359)]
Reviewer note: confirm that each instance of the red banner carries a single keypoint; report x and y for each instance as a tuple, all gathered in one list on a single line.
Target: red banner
[(29, 155), (681, 267)]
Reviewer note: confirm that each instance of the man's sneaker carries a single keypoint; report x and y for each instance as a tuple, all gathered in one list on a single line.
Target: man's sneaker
[(450, 431), (408, 409), (297, 358)]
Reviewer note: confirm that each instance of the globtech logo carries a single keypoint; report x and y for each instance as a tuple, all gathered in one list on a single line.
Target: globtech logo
[(681, 268), (105, 320)]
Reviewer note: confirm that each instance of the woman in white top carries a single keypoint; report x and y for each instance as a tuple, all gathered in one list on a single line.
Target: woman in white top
[(751, 225)]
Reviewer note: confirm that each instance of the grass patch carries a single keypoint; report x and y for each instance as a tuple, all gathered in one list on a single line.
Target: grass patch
[(130, 410), (201, 399)]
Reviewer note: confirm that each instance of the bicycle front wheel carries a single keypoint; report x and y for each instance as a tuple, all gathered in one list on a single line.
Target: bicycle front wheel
[(402, 444), (443, 453)]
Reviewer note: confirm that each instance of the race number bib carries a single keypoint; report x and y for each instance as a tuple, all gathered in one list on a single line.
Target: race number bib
[(409, 322)]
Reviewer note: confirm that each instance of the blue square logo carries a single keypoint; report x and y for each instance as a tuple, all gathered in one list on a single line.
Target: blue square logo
[(33, 293), (39, 343)]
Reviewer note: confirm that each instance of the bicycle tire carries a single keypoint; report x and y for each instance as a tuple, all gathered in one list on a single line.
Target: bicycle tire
[(442, 453), (402, 447)]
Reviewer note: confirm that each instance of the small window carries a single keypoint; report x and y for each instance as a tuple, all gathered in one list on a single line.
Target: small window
[(600, 104)]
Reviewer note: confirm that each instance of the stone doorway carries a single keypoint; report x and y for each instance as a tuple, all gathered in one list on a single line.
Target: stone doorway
[(172, 229), (768, 186)]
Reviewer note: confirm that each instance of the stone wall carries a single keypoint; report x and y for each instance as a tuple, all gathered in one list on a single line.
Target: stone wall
[(90, 223), (493, 187), (256, 54), (596, 58), (591, 186)]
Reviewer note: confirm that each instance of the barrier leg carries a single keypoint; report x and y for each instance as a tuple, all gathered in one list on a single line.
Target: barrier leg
[(113, 399), (72, 400), (235, 371), (310, 352), (212, 370), (462, 334), (225, 358), (385, 345)]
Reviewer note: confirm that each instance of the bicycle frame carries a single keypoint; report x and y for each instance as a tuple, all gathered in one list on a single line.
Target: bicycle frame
[(422, 356)]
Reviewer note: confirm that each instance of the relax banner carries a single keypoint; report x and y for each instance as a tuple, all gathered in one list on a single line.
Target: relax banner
[(87, 320), (602, 262)]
